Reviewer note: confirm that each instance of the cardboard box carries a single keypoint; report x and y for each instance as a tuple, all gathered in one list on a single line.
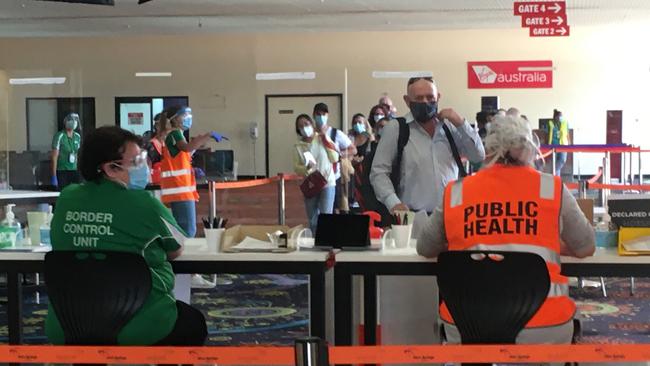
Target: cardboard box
[(628, 235), (237, 233), (630, 210), (587, 207)]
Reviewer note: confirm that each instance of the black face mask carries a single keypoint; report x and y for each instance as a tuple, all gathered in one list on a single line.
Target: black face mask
[(423, 111)]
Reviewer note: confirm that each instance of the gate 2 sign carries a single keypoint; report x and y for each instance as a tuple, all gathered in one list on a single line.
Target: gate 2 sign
[(509, 74)]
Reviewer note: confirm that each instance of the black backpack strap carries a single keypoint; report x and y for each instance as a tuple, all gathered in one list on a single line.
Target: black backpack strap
[(333, 135), (402, 140), (454, 151)]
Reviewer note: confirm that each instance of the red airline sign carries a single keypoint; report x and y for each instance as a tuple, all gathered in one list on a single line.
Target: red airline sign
[(539, 7), (509, 74), (543, 20), (549, 31)]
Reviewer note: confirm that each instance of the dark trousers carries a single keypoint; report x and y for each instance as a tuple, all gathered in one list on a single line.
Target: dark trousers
[(190, 328), (67, 177)]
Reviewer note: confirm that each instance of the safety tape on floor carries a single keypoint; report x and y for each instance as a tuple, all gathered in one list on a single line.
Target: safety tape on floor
[(338, 355)]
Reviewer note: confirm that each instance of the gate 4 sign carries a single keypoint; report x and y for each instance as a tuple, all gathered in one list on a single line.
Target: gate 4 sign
[(540, 7)]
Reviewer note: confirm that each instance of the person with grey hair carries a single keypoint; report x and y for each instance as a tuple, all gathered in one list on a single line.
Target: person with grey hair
[(514, 112), (509, 206)]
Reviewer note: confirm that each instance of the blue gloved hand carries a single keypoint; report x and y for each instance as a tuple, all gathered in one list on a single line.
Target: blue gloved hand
[(217, 137), (54, 181), (199, 173)]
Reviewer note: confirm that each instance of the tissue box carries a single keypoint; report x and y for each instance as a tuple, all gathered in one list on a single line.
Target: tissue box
[(237, 233), (626, 234)]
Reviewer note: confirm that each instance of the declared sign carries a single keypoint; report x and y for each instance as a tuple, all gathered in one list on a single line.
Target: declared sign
[(509, 74)]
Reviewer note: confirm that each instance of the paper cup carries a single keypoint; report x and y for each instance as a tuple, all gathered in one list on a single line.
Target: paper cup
[(35, 220), (213, 239), (397, 237)]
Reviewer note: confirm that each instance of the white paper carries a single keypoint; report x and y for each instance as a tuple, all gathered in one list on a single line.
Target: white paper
[(641, 244), (252, 243), (309, 158)]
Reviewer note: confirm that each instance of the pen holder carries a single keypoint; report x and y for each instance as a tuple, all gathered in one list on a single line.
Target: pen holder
[(397, 237), (213, 239)]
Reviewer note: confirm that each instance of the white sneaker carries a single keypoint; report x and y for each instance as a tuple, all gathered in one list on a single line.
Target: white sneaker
[(199, 282)]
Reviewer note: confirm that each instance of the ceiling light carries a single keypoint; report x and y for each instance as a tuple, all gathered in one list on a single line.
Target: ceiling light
[(153, 74), (37, 81), (285, 75), (401, 74)]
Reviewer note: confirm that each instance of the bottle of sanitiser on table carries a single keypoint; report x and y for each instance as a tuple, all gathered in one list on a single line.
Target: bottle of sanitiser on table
[(45, 228), (10, 230)]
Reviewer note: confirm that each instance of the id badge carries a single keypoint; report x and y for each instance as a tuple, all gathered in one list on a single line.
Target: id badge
[(72, 158)]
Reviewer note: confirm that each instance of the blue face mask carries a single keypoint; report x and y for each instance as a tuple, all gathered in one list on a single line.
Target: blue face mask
[(359, 128), (187, 122), (321, 120), (139, 177)]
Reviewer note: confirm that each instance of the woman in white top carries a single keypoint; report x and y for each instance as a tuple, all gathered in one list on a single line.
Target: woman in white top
[(315, 151)]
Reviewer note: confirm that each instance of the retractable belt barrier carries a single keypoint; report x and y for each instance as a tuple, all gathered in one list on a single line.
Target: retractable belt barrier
[(255, 182), (337, 355)]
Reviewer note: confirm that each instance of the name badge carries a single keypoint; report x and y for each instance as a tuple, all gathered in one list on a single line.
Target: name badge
[(72, 158)]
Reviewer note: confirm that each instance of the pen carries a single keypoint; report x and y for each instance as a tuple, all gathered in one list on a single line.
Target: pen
[(206, 223), (406, 218)]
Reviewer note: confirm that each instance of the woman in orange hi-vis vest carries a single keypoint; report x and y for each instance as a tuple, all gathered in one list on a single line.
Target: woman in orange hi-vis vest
[(509, 206), (177, 182)]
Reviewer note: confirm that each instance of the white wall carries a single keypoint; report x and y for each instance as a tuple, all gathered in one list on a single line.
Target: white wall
[(596, 69)]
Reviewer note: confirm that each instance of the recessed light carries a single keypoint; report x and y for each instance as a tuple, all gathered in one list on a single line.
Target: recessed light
[(37, 81), (153, 74), (401, 74), (285, 75)]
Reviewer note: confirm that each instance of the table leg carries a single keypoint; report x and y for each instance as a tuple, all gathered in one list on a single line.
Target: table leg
[(317, 303), (342, 306), (370, 309), (14, 307)]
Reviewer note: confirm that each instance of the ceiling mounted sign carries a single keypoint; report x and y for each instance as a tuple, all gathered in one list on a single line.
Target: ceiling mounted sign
[(543, 18), (509, 74)]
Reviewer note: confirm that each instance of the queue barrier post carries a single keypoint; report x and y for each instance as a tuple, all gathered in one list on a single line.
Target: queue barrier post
[(311, 351), (281, 199), (212, 198)]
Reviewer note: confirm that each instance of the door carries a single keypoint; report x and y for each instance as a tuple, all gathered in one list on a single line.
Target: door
[(615, 136), (136, 114), (42, 124), (281, 113)]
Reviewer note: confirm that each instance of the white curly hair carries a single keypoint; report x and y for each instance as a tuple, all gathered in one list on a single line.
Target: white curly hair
[(510, 140)]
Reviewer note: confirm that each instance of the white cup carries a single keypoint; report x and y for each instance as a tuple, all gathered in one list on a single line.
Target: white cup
[(301, 239), (213, 239), (397, 237), (35, 219)]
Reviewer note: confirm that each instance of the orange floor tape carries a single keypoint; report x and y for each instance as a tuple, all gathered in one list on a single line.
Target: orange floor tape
[(338, 355), (254, 182)]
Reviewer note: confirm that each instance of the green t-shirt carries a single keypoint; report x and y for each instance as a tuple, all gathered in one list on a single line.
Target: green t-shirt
[(68, 148), (173, 137), (107, 216)]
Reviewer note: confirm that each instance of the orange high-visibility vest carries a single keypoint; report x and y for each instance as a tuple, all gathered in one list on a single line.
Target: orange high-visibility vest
[(510, 208), (177, 180)]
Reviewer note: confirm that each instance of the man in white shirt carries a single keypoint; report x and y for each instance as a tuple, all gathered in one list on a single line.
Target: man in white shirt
[(346, 148), (427, 161)]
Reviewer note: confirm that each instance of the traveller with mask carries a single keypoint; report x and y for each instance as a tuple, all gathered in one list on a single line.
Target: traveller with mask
[(363, 138), (346, 148), (313, 152), (425, 167), (65, 146), (112, 212), (387, 103), (427, 162), (377, 113)]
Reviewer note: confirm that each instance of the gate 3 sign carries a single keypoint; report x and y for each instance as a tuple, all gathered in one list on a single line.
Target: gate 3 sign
[(509, 74)]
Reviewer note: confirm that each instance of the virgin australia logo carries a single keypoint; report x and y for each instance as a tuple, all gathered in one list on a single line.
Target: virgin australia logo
[(484, 74)]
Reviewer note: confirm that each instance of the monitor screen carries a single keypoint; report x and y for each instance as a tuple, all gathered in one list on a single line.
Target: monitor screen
[(342, 231)]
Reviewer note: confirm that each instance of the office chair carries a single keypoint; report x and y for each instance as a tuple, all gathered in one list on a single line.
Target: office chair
[(491, 295), (94, 294)]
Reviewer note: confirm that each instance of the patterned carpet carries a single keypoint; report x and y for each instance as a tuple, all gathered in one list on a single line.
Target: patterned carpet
[(273, 309)]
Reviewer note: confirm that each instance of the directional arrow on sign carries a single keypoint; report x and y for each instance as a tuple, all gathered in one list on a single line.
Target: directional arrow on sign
[(558, 20), (556, 8), (562, 31)]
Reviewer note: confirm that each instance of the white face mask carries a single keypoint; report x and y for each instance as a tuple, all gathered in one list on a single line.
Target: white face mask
[(487, 126), (378, 117), (307, 131)]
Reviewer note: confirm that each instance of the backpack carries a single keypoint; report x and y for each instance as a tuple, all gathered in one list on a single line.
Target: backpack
[(365, 193)]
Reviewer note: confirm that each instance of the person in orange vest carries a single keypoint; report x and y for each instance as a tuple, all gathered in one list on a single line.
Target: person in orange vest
[(155, 146), (509, 206), (177, 181)]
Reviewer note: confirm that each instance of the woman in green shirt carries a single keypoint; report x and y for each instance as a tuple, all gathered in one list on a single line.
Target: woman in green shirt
[(112, 211)]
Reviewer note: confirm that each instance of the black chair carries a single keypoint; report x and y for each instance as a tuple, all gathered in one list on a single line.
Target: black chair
[(94, 294), (491, 295)]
